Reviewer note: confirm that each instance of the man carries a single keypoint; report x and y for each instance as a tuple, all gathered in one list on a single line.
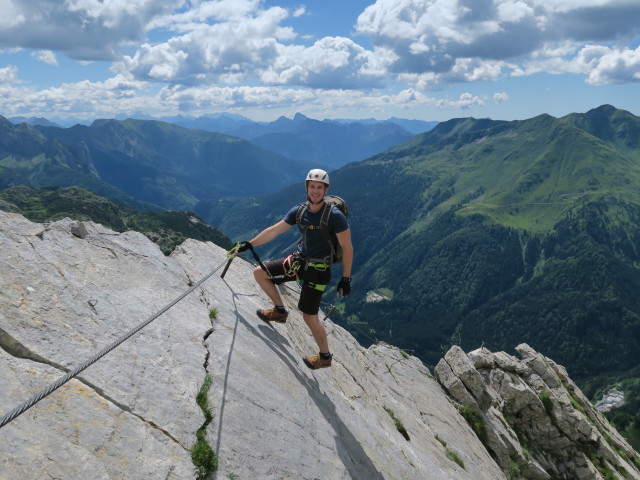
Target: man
[(311, 263)]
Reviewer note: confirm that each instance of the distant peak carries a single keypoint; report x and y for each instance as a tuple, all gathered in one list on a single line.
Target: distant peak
[(604, 108)]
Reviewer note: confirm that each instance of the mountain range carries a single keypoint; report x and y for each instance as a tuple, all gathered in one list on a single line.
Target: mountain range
[(476, 232), (153, 165), (327, 143)]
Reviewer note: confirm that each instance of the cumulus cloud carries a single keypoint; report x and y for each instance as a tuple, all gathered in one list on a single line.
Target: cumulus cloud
[(332, 62), (464, 102), (81, 29), (429, 43), (242, 99), (500, 97), (119, 95), (8, 74), (45, 56), (83, 99), (438, 41), (610, 65), (220, 46), (11, 16)]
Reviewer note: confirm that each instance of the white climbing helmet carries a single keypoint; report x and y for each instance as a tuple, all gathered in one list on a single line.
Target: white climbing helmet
[(318, 175)]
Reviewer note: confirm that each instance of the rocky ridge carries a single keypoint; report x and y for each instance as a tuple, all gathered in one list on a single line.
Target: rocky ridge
[(533, 418), (68, 289)]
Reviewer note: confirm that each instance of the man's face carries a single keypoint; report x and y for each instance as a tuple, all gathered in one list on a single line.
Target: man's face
[(315, 191)]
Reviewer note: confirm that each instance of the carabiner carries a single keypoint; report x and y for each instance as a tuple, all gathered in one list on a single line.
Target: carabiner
[(234, 250), (291, 265)]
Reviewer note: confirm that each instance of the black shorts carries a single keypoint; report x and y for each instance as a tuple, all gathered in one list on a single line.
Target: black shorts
[(310, 296)]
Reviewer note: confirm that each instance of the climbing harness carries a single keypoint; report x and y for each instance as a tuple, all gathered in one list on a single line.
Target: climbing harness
[(316, 286), (57, 384)]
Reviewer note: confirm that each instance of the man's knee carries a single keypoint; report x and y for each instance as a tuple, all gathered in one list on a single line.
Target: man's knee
[(259, 273), (310, 319)]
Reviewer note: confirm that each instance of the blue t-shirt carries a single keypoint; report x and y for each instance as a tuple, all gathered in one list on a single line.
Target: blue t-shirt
[(312, 244)]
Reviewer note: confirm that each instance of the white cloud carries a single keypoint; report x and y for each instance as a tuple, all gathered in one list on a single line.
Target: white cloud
[(81, 29), (332, 62), (500, 97), (440, 41), (562, 6), (299, 12), (229, 47), (513, 11), (463, 70), (211, 53), (45, 56), (612, 66), (85, 98), (207, 12), (465, 101), (121, 96), (11, 15), (328, 103), (8, 74), (323, 103)]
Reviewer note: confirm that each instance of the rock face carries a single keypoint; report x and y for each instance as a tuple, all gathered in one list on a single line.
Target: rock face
[(612, 399), (68, 289), (533, 419)]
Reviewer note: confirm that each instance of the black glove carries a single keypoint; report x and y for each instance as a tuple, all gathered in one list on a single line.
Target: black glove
[(244, 246), (344, 287)]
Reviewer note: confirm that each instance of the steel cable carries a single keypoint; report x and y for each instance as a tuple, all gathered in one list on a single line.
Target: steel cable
[(57, 384)]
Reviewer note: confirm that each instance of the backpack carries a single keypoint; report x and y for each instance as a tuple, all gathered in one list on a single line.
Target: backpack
[(329, 201)]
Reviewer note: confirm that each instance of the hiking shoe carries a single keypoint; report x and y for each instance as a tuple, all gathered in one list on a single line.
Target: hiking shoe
[(316, 361), (272, 315)]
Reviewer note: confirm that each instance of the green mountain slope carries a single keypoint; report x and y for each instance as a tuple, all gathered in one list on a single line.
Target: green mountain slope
[(524, 174), (27, 157), (167, 229), (523, 208)]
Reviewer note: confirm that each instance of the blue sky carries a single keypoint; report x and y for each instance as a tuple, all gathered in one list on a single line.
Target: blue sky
[(418, 59)]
